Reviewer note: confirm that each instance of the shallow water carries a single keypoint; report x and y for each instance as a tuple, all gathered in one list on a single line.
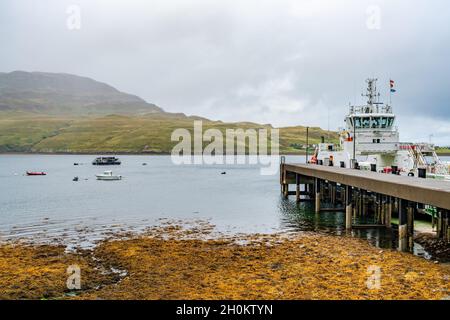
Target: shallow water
[(53, 207)]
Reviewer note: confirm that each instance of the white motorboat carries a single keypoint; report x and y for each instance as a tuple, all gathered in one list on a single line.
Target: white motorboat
[(108, 175)]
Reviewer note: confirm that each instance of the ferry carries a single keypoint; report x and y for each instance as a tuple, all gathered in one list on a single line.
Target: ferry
[(105, 161), (370, 141)]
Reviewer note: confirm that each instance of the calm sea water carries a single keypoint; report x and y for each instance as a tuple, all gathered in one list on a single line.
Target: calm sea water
[(54, 207)]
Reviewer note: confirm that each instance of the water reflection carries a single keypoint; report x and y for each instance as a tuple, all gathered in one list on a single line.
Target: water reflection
[(302, 217)]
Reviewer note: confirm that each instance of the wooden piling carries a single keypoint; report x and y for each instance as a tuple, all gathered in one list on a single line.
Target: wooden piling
[(297, 183)]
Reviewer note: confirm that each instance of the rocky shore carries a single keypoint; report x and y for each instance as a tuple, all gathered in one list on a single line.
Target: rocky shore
[(438, 248), (174, 263)]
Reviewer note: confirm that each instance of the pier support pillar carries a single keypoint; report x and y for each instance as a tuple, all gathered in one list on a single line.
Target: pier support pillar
[(443, 230), (348, 207), (333, 193), (439, 222), (297, 190), (447, 214), (282, 177), (402, 226), (410, 224), (387, 219), (317, 189), (447, 227)]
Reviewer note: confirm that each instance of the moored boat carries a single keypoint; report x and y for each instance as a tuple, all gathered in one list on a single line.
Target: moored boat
[(108, 176), (36, 173), (106, 161)]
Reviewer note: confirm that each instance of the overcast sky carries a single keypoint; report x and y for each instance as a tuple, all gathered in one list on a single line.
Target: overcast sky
[(283, 62)]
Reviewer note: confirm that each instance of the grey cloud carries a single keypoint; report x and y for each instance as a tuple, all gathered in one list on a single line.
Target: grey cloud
[(285, 62)]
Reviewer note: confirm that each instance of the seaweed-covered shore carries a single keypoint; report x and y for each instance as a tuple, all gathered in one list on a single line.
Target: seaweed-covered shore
[(174, 263)]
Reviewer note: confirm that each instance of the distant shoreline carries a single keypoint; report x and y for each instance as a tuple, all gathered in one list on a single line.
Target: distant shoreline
[(119, 153), (444, 154)]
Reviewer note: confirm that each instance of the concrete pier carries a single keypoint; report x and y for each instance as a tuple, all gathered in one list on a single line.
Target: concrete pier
[(365, 192)]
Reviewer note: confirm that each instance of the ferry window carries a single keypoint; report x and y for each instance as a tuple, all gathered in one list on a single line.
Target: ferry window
[(384, 122), (391, 121), (366, 123), (375, 122), (357, 122)]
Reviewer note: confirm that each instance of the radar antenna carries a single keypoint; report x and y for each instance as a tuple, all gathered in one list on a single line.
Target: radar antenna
[(372, 95)]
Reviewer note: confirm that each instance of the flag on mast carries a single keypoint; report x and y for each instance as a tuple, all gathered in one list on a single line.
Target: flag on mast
[(391, 82)]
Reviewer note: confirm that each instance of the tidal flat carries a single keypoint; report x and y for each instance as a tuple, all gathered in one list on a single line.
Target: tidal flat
[(174, 262)]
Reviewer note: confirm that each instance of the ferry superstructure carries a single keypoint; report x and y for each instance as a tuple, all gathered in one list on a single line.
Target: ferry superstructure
[(370, 140)]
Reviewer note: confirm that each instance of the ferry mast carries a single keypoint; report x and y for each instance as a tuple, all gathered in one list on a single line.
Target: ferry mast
[(373, 97)]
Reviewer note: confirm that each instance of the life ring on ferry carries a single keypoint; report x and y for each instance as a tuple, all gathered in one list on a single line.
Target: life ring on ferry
[(313, 160), (346, 135)]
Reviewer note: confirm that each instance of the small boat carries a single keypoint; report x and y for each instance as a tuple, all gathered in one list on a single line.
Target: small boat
[(75, 179), (108, 175), (106, 161), (36, 173)]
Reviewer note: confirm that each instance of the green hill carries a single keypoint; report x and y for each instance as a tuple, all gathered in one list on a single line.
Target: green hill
[(25, 132), (63, 113)]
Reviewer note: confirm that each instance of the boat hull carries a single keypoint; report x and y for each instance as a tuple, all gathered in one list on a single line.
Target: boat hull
[(108, 178), (36, 173)]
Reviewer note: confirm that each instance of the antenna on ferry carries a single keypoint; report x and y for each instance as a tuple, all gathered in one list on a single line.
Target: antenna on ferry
[(328, 133)]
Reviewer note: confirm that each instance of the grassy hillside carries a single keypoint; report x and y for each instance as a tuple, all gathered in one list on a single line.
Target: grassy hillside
[(25, 132), (63, 113), (66, 94), (443, 150)]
